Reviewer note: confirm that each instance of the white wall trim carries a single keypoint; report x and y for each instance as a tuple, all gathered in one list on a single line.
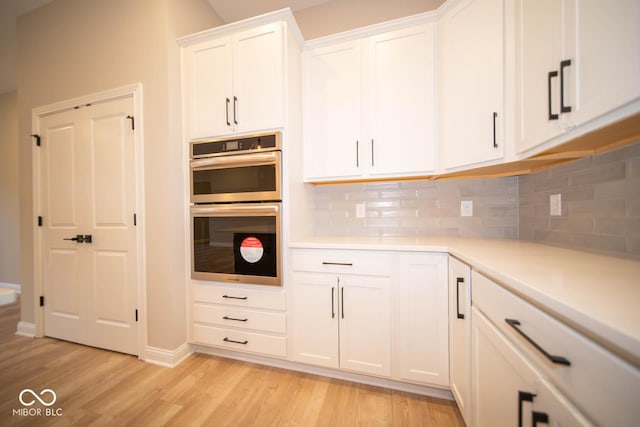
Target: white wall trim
[(16, 287), (167, 358), (26, 329), (439, 393)]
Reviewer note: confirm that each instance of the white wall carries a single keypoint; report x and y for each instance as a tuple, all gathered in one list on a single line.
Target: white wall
[(71, 48), (9, 189)]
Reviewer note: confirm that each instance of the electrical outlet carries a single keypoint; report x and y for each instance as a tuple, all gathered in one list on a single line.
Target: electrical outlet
[(361, 210), (555, 205), (466, 208)]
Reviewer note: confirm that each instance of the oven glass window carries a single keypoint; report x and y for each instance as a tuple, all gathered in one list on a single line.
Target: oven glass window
[(243, 245), (248, 179)]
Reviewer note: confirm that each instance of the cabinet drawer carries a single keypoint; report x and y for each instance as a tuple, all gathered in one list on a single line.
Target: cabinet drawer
[(240, 340), (602, 385), (342, 262), (239, 296), (240, 318)]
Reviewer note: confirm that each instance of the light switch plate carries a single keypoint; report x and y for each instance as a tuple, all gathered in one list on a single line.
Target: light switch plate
[(555, 204), (361, 210), (466, 208)]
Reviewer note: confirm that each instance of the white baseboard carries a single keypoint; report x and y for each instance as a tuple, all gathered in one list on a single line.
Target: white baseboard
[(331, 373), (13, 286), (26, 329), (167, 358)]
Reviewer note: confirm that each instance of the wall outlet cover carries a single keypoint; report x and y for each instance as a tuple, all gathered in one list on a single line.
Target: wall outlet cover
[(466, 208), (555, 205)]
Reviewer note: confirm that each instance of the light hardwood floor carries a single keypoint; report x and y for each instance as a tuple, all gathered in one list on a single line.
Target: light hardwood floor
[(102, 388)]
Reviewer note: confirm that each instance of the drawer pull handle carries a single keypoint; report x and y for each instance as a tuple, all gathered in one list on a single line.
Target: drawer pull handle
[(333, 309), (236, 342), (230, 297), (343, 264), (458, 281), (558, 360), (523, 396), (233, 318)]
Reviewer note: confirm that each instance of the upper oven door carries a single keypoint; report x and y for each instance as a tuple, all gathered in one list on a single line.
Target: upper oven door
[(237, 178)]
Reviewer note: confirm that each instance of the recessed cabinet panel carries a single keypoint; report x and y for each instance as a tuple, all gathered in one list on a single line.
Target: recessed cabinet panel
[(332, 117), (402, 102), (421, 311), (471, 69)]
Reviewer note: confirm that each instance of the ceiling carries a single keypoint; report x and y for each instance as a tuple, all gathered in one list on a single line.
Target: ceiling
[(231, 11)]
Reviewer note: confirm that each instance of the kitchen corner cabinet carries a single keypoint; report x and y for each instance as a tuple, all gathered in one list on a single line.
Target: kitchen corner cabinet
[(341, 310), (235, 83), (460, 336), (577, 60), (471, 66), (421, 316), (369, 106)]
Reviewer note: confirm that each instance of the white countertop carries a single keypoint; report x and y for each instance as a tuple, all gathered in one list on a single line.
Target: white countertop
[(597, 295)]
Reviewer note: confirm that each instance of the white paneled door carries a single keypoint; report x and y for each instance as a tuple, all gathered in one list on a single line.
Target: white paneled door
[(87, 190)]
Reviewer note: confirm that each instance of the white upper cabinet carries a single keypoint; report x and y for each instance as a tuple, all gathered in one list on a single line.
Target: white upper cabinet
[(402, 101), (577, 60), (235, 83), (471, 66), (332, 110), (369, 105)]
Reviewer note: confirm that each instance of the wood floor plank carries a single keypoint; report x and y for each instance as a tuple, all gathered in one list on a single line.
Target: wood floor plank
[(101, 388)]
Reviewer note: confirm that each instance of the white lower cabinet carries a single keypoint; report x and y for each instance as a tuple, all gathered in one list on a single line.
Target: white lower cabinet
[(341, 315), (460, 336), (421, 317), (507, 390)]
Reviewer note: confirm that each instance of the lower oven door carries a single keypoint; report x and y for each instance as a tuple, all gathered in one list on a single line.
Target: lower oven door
[(238, 243)]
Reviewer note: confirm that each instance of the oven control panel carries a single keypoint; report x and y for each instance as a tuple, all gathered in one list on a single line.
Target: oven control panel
[(269, 141)]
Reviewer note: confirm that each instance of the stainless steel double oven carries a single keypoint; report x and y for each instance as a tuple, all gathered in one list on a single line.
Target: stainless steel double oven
[(236, 206)]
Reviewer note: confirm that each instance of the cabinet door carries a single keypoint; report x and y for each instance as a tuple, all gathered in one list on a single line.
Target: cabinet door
[(471, 70), (422, 334), (607, 51), (365, 325), (460, 335), (332, 102), (401, 102), (507, 390), (208, 71), (258, 80), (541, 30), (315, 319)]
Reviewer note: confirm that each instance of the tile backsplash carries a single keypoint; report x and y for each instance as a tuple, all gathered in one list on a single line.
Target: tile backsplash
[(600, 204), (419, 208)]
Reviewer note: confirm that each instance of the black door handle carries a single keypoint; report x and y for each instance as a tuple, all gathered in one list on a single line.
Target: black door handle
[(539, 417), (458, 281), (88, 238), (227, 112), (79, 238), (495, 143), (552, 74), (563, 108), (523, 396)]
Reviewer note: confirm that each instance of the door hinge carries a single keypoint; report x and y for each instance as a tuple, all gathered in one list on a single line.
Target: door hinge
[(39, 221), (37, 137), (41, 300), (136, 314), (135, 219), (133, 122)]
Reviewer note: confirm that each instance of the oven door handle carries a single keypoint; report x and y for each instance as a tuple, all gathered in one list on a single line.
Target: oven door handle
[(235, 210), (238, 160)]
